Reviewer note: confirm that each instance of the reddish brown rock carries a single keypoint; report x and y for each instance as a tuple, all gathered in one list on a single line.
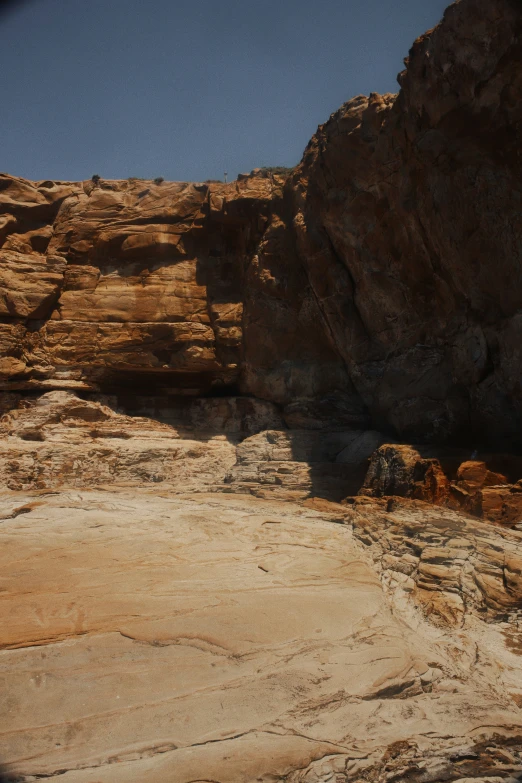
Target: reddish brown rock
[(473, 475), (502, 505), (439, 476), (402, 470)]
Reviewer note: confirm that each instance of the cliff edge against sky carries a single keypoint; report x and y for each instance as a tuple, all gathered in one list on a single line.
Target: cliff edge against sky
[(384, 274)]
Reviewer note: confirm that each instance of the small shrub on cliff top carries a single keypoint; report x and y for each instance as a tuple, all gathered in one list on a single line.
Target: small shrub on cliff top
[(159, 180), (96, 178), (280, 171)]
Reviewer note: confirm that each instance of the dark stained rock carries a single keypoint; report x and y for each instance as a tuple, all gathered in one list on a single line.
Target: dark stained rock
[(434, 475), (401, 470)]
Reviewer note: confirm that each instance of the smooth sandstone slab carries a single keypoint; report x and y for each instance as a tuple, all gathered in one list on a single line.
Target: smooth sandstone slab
[(205, 638)]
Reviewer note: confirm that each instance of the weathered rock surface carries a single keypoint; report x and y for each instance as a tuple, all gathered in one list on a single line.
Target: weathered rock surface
[(379, 285), (297, 464), (449, 563), (488, 488), (61, 440), (58, 439), (177, 359), (234, 639)]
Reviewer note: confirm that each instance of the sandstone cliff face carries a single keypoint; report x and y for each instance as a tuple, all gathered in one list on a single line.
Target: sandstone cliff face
[(136, 287), (177, 359), (409, 227), (379, 285)]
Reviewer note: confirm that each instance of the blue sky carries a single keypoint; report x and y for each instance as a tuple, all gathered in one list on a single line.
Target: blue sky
[(187, 90)]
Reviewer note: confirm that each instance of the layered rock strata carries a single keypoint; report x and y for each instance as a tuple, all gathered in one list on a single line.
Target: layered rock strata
[(143, 290), (177, 359), (378, 285)]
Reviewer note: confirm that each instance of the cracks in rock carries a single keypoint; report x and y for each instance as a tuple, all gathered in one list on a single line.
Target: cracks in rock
[(322, 310), (16, 512), (32, 643), (344, 265), (205, 646), (393, 691), (125, 756), (130, 756)]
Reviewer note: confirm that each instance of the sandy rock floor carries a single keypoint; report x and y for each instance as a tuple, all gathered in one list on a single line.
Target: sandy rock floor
[(225, 638)]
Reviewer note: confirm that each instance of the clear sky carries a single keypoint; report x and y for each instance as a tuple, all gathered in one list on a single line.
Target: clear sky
[(187, 89)]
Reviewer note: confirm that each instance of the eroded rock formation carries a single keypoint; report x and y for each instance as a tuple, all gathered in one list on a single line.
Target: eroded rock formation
[(380, 283), (176, 360), (488, 488)]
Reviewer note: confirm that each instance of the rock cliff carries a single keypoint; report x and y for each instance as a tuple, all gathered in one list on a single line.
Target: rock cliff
[(261, 496), (378, 285)]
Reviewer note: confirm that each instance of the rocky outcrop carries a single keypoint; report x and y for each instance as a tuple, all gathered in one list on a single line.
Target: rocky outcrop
[(378, 285), (403, 471), (449, 563), (408, 225), (488, 488)]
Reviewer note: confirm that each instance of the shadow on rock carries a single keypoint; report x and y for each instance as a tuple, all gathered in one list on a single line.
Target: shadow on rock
[(9, 775)]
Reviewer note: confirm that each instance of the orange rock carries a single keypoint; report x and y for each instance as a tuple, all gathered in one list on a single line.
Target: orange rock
[(502, 505), (474, 475)]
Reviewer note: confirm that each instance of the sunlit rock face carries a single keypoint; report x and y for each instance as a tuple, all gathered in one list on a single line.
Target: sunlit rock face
[(211, 637), (261, 484), (385, 269), (156, 288)]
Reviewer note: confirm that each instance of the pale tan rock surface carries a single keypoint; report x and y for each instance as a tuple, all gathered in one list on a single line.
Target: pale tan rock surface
[(58, 439), (227, 638), (61, 440)]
